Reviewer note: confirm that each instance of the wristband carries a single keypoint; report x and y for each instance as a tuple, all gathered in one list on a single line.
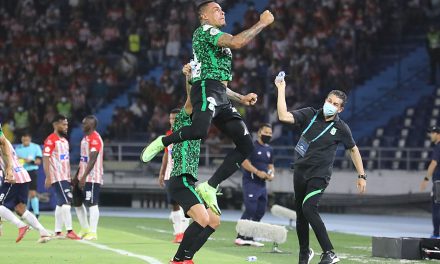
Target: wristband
[(364, 176), (426, 179)]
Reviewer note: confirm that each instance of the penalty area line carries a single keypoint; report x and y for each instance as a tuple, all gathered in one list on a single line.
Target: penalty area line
[(147, 259)]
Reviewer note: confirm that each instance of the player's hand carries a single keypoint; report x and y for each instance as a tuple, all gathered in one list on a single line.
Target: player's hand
[(249, 99), (9, 176), (186, 70), (423, 185), (271, 177), (280, 84), (361, 185), (162, 181), (75, 181), (47, 182), (266, 18), (82, 182)]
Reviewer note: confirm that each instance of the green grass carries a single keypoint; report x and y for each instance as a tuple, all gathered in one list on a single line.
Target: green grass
[(151, 237)]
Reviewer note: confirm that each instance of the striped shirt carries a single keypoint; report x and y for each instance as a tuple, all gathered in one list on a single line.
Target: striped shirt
[(169, 150), (20, 174), (57, 149), (92, 143)]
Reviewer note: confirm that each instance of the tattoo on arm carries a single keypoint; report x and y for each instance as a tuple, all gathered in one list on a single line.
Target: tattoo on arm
[(241, 39), (233, 95)]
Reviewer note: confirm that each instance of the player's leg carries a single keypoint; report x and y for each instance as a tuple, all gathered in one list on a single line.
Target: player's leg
[(302, 225), (250, 209), (33, 197), (91, 191), (30, 218), (214, 223), (261, 204), (80, 209), (315, 189), (435, 218), (201, 120), (65, 193), (8, 201), (176, 216), (182, 190), (236, 130)]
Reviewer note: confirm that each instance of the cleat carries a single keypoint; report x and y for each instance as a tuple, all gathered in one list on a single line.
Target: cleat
[(59, 235), (329, 257), (209, 196), (188, 261), (72, 235), (149, 152), (306, 257), (175, 262), (178, 238), (83, 232), (256, 244), (44, 239), (21, 232), (90, 236)]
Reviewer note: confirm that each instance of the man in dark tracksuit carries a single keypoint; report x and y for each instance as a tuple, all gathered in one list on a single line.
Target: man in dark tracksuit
[(322, 131), (434, 173), (256, 170)]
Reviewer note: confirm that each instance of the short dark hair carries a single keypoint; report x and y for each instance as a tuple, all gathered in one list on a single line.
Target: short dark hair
[(263, 125), (200, 4), (26, 134), (340, 94), (58, 118), (174, 111), (92, 117)]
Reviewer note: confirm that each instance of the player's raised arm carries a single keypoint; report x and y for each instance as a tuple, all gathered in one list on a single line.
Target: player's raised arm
[(243, 38), (186, 70), (248, 100), (283, 114)]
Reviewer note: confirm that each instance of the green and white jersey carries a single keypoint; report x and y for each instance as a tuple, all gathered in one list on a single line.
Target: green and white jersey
[(185, 154), (210, 61)]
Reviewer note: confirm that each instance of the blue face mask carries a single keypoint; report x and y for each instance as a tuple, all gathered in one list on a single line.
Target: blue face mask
[(329, 109)]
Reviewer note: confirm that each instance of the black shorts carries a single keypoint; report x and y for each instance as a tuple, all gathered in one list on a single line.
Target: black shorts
[(167, 189), (210, 95), (89, 196), (34, 180), (182, 190)]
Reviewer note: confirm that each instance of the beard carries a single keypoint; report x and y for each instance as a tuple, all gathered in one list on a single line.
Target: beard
[(63, 134)]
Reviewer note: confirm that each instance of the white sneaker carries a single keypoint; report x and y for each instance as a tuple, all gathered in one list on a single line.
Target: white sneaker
[(44, 239), (239, 242), (255, 243)]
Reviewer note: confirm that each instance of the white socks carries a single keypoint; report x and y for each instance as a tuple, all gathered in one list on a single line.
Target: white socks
[(6, 214), (58, 219), (33, 221), (67, 216), (180, 222), (81, 212), (94, 218)]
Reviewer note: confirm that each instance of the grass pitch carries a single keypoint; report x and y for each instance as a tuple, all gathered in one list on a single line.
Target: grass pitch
[(146, 240)]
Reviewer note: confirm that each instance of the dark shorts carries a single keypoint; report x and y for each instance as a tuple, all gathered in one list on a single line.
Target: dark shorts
[(13, 194), (170, 200), (182, 190), (210, 96), (34, 180), (254, 191), (89, 196), (63, 192)]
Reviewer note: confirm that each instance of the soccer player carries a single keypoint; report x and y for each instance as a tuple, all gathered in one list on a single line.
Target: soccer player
[(56, 164), (14, 193), (258, 169), (30, 156), (180, 222), (182, 188), (89, 178), (322, 131), (210, 75)]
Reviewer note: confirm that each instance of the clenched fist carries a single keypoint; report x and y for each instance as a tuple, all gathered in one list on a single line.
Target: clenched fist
[(266, 18)]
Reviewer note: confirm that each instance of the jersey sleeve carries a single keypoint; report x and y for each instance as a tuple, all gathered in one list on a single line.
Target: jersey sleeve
[(303, 116), (436, 154), (271, 156), (38, 152), (212, 34), (95, 143), (49, 146), (347, 138)]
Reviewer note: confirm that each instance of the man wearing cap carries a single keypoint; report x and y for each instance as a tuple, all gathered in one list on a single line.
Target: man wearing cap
[(211, 72), (434, 174)]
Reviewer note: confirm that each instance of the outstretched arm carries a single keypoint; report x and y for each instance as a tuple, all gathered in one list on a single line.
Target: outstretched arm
[(249, 99), (243, 38), (283, 114)]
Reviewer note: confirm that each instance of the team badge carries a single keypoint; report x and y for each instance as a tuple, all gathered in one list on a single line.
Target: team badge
[(214, 31), (268, 154), (333, 131)]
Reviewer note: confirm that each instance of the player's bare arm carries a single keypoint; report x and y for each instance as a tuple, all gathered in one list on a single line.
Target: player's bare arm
[(7, 158), (47, 182), (247, 165), (283, 115), (186, 70), (357, 161), (162, 169), (243, 38), (89, 168), (248, 100), (429, 173)]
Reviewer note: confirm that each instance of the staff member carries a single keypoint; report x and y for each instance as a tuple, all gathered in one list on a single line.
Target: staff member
[(434, 174), (258, 168), (322, 131)]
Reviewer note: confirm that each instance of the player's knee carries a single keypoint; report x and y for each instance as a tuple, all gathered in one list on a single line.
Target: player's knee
[(203, 220), (214, 222), (199, 132), (20, 209), (309, 210)]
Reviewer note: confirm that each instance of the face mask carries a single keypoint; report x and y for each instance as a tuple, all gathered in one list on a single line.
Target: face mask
[(265, 139), (329, 109)]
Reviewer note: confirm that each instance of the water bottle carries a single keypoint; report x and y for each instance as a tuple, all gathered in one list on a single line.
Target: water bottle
[(280, 76), (251, 258)]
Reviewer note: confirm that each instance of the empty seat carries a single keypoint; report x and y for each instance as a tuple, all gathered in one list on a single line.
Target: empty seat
[(404, 132), (376, 142), (407, 122), (410, 112), (427, 143), (379, 132), (437, 102), (401, 143), (435, 112), (398, 154), (424, 155), (433, 122), (373, 154)]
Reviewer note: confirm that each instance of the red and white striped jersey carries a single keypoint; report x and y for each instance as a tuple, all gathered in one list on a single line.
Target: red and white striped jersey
[(57, 149), (92, 143), (20, 174), (169, 150)]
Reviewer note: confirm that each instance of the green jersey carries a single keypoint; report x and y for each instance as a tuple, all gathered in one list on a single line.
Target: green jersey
[(185, 154), (1, 130), (210, 61)]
